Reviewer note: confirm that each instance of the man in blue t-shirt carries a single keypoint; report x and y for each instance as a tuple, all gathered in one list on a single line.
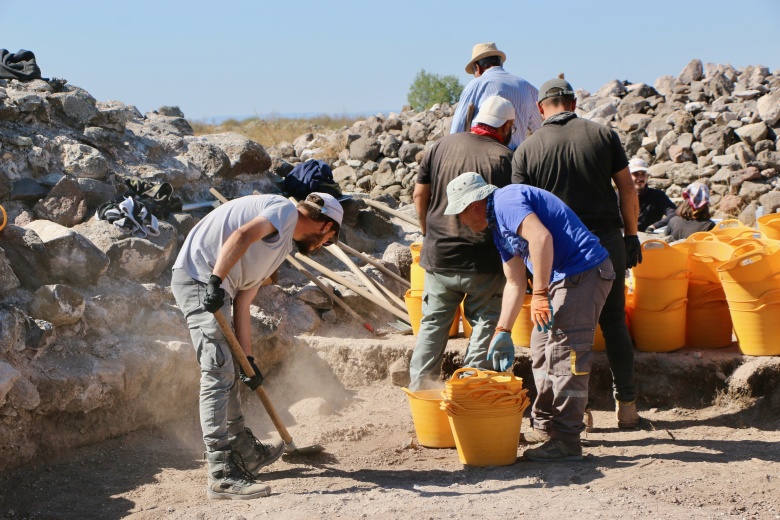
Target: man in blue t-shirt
[(572, 277)]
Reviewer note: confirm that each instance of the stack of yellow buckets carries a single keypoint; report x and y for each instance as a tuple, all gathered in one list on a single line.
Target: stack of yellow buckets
[(751, 282), (485, 409), (657, 312), (708, 321)]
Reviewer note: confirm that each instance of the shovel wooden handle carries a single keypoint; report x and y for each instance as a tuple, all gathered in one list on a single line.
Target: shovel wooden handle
[(375, 263), (388, 209), (327, 290), (354, 287), (238, 353)]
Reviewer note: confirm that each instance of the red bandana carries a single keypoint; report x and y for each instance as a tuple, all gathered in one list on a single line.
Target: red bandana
[(480, 129)]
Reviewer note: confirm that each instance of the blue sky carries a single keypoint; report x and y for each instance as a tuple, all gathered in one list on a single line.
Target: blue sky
[(243, 58)]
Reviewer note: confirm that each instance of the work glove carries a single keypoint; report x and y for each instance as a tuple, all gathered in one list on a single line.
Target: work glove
[(502, 351), (215, 294), (254, 381), (633, 251), (542, 311)]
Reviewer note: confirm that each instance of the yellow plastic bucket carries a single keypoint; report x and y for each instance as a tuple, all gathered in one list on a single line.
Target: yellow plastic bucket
[(467, 329), (708, 324), (749, 291), (658, 331), (754, 266), (417, 275), (728, 229), (413, 301), (769, 225), (700, 291), (521, 330), (769, 297), (758, 330), (486, 441), (651, 294), (430, 422), (705, 256), (415, 248), (660, 260)]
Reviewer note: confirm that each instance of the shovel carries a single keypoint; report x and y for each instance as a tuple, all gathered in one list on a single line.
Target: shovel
[(238, 353)]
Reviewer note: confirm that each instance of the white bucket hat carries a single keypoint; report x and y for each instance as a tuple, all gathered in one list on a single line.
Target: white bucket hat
[(464, 189), (495, 111)]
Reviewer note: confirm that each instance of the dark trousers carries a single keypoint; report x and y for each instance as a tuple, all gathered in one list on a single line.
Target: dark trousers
[(620, 349)]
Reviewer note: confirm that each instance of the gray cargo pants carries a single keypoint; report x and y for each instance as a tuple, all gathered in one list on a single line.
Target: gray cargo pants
[(220, 404), (561, 358), (441, 298)]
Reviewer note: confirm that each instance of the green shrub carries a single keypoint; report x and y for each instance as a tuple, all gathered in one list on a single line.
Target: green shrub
[(428, 89)]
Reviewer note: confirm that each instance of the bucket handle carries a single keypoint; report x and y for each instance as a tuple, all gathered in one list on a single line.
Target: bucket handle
[(769, 220), (487, 392), (729, 224), (702, 236), (477, 373), (412, 394), (747, 248), (742, 260), (654, 243)]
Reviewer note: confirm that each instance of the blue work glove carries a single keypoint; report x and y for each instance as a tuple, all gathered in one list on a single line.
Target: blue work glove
[(542, 311), (215, 294), (502, 351)]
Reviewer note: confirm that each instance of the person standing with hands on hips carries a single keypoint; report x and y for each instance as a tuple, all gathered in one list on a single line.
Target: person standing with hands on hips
[(220, 267), (572, 277)]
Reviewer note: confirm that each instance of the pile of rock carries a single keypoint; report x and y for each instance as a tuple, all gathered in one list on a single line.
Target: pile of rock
[(90, 339)]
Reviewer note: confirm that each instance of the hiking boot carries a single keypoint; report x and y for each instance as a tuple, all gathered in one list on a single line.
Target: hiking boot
[(555, 449), (588, 420), (627, 416), (254, 453), (534, 437), (230, 480)]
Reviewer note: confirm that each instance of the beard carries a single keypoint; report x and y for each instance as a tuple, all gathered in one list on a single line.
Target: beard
[(308, 243)]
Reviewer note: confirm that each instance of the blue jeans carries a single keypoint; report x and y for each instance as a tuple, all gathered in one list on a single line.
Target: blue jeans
[(620, 348), (441, 298), (220, 403)]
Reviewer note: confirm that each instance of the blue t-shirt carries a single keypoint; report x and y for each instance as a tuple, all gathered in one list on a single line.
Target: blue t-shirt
[(575, 249)]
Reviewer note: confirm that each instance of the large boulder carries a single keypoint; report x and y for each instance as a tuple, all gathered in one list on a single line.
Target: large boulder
[(245, 155), (27, 256), (74, 259), (57, 304), (64, 204)]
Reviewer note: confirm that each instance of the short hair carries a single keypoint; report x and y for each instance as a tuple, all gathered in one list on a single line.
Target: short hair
[(557, 101), (490, 61), (685, 211), (313, 208)]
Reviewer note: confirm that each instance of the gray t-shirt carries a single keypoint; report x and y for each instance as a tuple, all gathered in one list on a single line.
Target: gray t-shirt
[(201, 248)]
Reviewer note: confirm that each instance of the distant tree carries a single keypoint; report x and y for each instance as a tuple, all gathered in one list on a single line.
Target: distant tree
[(428, 89)]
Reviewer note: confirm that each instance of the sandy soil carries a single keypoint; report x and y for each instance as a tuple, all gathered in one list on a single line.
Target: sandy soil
[(682, 464)]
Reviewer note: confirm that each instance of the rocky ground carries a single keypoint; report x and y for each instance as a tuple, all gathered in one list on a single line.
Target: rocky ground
[(683, 463)]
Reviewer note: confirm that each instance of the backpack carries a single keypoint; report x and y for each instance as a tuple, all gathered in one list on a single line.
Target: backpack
[(312, 175)]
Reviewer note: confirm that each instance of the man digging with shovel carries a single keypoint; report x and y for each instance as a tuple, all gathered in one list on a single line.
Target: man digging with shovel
[(220, 267)]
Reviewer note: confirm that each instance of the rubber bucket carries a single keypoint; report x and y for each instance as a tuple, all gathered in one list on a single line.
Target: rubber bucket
[(521, 330), (700, 291), (728, 229), (467, 329), (413, 301), (769, 297), (705, 256), (652, 294), (754, 266), (708, 324), (430, 421), (769, 225), (660, 260), (415, 248), (758, 330), (749, 291), (417, 275), (486, 441), (658, 331)]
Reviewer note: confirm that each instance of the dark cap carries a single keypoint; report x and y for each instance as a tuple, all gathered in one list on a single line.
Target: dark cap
[(555, 87)]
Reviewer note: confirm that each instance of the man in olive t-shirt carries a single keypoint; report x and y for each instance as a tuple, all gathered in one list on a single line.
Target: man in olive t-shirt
[(459, 262)]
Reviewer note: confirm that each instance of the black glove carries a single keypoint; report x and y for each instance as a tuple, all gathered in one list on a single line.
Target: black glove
[(633, 251), (254, 381), (215, 295)]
